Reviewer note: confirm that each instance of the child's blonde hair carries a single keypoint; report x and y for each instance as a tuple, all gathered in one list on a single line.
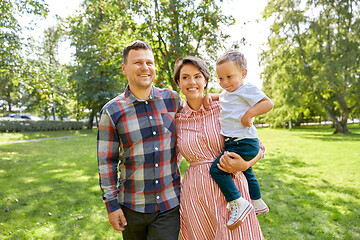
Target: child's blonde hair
[(234, 56)]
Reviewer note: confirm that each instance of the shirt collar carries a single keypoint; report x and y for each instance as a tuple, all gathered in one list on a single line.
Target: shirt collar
[(130, 98), (188, 111)]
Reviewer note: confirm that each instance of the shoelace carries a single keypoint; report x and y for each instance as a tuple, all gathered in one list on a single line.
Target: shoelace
[(233, 211)]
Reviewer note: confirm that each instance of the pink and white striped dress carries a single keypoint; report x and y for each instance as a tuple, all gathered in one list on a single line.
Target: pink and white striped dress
[(202, 205)]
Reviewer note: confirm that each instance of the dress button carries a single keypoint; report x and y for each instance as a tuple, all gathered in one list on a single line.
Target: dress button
[(154, 132), (156, 165), (156, 148), (146, 102), (150, 117), (157, 197), (157, 181)]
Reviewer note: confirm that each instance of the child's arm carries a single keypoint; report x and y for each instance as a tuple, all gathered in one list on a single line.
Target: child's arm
[(209, 98), (263, 106)]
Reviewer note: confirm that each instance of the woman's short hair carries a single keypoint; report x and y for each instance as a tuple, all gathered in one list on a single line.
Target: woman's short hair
[(197, 62), (135, 45)]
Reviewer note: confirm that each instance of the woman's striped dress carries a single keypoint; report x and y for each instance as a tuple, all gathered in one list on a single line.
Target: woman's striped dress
[(202, 205)]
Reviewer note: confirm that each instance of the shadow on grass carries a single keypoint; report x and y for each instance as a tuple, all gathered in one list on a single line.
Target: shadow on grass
[(304, 206), (50, 190), (326, 134)]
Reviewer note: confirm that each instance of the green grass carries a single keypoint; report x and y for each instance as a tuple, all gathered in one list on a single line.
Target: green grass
[(51, 191), (9, 137), (309, 178)]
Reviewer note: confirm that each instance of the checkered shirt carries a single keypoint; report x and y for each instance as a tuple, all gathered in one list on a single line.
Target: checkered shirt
[(138, 166)]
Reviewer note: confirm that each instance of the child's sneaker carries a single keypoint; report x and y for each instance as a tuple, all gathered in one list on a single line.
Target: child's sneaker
[(260, 206), (239, 209)]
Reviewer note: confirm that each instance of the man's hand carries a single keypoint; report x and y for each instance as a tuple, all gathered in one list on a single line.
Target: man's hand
[(117, 220)]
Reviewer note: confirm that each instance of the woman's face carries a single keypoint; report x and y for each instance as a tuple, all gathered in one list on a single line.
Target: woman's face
[(192, 82)]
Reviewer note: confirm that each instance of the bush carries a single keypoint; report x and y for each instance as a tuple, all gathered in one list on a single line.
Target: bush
[(22, 125)]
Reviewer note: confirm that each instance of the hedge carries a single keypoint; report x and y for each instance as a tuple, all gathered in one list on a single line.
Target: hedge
[(23, 125)]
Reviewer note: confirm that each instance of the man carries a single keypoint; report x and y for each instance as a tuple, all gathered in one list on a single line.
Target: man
[(137, 137)]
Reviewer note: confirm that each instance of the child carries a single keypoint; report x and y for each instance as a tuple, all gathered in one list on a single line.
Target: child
[(240, 103)]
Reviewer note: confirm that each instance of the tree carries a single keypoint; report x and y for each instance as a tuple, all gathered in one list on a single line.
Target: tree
[(174, 29), (11, 45), (313, 58), (179, 28), (99, 35), (46, 79)]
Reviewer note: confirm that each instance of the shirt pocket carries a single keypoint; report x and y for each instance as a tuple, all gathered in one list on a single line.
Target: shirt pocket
[(168, 122)]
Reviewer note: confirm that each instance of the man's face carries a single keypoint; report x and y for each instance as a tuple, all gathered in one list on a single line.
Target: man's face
[(139, 69)]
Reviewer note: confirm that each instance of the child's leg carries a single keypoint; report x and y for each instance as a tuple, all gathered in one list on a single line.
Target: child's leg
[(225, 182), (254, 187), (247, 149)]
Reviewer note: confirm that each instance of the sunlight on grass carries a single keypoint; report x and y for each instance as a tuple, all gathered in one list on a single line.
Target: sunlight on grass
[(309, 179), (8, 137)]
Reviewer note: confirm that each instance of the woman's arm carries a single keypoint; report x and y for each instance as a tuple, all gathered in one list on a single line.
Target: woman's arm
[(231, 162)]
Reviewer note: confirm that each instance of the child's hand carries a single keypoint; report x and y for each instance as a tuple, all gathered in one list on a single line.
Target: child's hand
[(246, 120), (207, 100)]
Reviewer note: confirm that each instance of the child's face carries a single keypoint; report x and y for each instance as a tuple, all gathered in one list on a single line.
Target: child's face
[(230, 75)]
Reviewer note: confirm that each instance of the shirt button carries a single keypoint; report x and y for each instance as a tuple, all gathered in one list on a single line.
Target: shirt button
[(154, 132), (150, 117), (156, 148), (156, 165), (157, 197), (146, 102), (157, 181)]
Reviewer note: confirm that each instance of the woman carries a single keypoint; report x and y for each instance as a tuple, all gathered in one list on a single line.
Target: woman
[(203, 206)]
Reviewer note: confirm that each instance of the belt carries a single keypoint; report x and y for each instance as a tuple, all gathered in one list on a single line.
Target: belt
[(192, 164), (232, 139)]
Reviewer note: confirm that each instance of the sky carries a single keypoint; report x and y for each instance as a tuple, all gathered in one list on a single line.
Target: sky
[(255, 30)]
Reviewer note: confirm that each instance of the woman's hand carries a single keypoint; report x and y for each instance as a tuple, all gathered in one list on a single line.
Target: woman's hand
[(231, 162)]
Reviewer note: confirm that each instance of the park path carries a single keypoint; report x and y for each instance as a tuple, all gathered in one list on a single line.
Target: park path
[(41, 139)]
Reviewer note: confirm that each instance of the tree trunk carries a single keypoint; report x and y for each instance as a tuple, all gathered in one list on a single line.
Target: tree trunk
[(8, 99), (341, 127), (91, 120)]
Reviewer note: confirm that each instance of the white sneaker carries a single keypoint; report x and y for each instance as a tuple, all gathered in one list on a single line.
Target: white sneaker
[(260, 206), (239, 210)]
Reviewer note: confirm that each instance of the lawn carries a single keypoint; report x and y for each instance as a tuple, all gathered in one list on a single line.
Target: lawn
[(309, 178), (9, 137)]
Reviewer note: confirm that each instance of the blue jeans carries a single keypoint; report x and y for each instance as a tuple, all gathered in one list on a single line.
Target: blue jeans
[(248, 149)]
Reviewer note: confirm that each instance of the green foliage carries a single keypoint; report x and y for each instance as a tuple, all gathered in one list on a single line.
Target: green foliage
[(99, 34), (21, 125), (179, 28), (11, 45), (313, 59), (45, 80), (33, 78), (174, 29)]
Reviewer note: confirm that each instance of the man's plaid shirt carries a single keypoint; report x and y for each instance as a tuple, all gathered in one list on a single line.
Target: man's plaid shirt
[(137, 138)]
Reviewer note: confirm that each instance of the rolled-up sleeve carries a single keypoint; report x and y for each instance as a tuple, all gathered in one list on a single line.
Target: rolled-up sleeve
[(108, 160)]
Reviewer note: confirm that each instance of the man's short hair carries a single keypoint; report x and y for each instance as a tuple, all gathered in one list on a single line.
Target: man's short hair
[(135, 45)]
